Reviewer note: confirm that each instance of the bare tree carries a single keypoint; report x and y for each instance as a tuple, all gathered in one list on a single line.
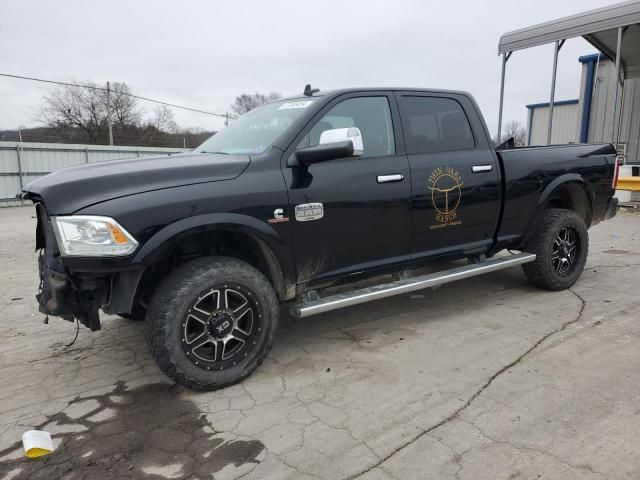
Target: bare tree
[(159, 125), (75, 106), (247, 101), (163, 120), (517, 131), (84, 106), (124, 109), (78, 114)]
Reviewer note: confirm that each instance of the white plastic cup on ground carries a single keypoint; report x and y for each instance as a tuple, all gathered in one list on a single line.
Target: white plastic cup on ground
[(37, 443)]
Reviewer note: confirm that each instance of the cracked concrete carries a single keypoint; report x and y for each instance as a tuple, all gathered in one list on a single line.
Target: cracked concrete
[(487, 378)]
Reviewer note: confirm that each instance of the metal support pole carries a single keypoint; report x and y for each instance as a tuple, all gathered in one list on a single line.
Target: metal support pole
[(20, 179), (595, 78), (620, 115), (109, 113), (505, 58), (558, 46), (615, 103)]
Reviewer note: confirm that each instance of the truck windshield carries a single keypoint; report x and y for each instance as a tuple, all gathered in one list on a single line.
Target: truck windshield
[(255, 131)]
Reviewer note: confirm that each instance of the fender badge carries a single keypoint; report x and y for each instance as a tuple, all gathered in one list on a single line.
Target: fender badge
[(278, 217), (309, 211)]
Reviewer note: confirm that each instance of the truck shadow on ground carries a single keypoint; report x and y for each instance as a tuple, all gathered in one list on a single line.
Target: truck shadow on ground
[(410, 309), (147, 432)]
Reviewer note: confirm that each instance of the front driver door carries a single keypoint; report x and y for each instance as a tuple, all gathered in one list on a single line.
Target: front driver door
[(363, 219)]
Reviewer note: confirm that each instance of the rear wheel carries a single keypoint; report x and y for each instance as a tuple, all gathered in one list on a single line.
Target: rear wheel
[(561, 243), (211, 322)]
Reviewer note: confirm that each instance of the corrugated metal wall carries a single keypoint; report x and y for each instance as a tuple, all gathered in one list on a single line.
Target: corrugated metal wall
[(566, 124), (602, 104), (21, 163), (568, 118), (630, 123), (602, 107)]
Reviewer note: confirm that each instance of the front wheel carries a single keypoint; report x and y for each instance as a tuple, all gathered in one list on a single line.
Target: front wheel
[(561, 243), (138, 313), (212, 322)]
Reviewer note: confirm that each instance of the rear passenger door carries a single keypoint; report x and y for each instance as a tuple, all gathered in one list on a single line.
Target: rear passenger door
[(454, 174)]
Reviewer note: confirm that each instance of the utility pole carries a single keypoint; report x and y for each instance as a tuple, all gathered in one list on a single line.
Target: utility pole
[(109, 113)]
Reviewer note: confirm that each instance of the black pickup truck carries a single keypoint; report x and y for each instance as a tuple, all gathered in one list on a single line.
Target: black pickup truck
[(300, 196)]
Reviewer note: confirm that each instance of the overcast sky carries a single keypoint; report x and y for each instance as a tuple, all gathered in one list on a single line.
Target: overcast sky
[(204, 53)]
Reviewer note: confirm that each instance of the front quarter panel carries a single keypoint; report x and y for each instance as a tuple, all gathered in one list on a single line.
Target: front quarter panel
[(245, 203)]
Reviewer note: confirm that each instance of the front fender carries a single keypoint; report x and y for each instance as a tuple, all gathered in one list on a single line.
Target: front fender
[(210, 221), (125, 283), (231, 222)]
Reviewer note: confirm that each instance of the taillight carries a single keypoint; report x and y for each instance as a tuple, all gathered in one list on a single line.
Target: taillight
[(616, 173)]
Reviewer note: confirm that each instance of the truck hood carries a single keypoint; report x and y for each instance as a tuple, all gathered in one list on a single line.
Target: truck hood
[(70, 189)]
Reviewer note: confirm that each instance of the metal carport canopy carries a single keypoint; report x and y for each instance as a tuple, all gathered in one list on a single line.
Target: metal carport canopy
[(614, 30), (599, 27)]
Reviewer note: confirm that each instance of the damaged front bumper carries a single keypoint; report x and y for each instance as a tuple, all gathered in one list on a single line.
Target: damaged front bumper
[(79, 288)]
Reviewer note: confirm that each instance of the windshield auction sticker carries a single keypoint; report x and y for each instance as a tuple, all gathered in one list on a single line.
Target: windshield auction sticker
[(445, 184), (292, 105)]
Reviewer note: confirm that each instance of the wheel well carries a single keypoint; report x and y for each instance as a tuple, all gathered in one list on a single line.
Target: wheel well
[(571, 196), (190, 245)]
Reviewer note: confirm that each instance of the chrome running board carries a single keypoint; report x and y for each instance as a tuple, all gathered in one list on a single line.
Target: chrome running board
[(377, 292)]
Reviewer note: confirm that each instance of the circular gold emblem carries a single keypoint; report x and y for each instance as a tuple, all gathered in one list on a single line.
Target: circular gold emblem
[(445, 184)]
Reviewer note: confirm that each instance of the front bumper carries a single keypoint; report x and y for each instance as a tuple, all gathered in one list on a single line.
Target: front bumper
[(79, 288)]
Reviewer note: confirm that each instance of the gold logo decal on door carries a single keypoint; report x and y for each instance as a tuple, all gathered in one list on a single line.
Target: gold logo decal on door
[(445, 184)]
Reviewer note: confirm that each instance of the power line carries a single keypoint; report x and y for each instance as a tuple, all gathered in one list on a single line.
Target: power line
[(222, 115)]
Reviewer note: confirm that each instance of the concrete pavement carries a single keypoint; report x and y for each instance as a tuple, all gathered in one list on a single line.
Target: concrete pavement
[(488, 378)]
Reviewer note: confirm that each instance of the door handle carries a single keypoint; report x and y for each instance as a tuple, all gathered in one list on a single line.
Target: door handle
[(396, 177), (481, 168)]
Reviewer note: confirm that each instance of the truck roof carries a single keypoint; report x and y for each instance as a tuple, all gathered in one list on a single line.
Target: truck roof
[(342, 91)]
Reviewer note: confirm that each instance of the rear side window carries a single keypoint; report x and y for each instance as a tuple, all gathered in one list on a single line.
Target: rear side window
[(434, 124)]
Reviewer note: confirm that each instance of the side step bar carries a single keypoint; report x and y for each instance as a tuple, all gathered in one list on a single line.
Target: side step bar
[(377, 292)]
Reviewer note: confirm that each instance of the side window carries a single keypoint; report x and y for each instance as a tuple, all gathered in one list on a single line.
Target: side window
[(370, 114), (435, 124)]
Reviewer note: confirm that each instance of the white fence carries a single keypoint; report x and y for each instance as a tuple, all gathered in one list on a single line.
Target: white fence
[(20, 163)]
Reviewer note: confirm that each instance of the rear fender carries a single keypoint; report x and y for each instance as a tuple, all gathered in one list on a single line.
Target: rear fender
[(573, 180)]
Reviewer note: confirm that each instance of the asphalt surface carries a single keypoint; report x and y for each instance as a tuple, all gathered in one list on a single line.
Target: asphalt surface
[(488, 378)]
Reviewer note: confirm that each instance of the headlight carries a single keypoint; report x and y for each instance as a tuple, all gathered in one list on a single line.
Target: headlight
[(92, 236)]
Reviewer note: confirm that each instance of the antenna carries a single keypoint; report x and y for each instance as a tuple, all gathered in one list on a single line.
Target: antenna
[(308, 91)]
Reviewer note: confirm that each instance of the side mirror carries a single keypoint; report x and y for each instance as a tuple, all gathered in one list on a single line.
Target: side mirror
[(343, 134), (334, 144)]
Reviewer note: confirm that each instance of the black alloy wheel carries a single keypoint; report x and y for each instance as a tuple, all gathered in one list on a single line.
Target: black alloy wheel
[(220, 326), (566, 249)]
